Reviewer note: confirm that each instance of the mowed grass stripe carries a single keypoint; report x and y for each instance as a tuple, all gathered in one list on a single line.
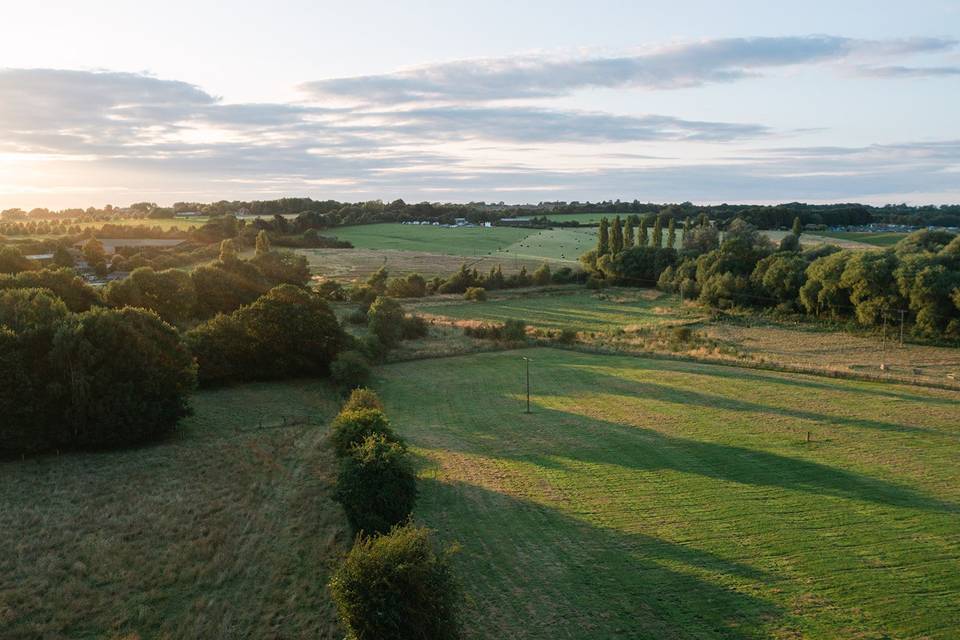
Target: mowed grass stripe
[(464, 241), (582, 311), (680, 500)]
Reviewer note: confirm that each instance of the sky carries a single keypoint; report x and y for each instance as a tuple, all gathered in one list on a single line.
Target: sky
[(763, 102)]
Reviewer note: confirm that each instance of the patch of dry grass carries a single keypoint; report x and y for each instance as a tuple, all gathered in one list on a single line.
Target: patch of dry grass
[(803, 346), (226, 530)]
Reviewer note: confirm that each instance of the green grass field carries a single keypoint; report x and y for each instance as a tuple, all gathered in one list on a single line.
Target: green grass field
[(506, 243), (662, 499), (467, 241), (875, 239), (579, 309), (226, 530)]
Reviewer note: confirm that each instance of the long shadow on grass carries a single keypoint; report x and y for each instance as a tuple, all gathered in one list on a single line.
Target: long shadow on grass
[(677, 395), (533, 572), (557, 435), (793, 380)]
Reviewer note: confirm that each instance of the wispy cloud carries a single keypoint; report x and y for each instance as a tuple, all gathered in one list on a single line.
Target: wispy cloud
[(672, 67), (894, 71)]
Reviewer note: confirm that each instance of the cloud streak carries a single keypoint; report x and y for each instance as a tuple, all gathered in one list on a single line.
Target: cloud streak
[(674, 67)]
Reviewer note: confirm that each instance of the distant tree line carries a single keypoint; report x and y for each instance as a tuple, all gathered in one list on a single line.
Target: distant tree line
[(320, 214)]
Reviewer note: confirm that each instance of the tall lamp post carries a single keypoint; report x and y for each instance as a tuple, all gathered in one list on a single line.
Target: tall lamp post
[(527, 362)]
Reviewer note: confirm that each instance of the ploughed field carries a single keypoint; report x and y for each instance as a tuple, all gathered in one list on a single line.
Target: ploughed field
[(225, 530), (665, 499)]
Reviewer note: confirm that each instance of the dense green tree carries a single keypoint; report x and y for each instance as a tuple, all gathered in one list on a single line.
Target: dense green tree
[(924, 241), (350, 370), (616, 237), (790, 242), (629, 241), (926, 281), (823, 290), (385, 319), (797, 227), (869, 277), (63, 283), (222, 290), (724, 290), (169, 293), (603, 238), (378, 281), (376, 485), (460, 281), (262, 246), (13, 261), (411, 286), (94, 252), (287, 332), (541, 277), (642, 238), (228, 251), (657, 236), (671, 234), (397, 587), (778, 278), (62, 257), (282, 267), (126, 375), (352, 426)]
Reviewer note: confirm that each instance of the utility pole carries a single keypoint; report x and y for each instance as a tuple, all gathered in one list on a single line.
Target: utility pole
[(527, 361), (902, 313), (883, 339)]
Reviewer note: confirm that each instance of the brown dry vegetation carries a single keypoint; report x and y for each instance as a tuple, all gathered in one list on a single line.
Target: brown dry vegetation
[(809, 346), (225, 531)]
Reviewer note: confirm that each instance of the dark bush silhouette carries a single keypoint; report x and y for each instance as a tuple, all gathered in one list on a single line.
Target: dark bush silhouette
[(376, 484), (397, 587), (350, 370), (286, 333)]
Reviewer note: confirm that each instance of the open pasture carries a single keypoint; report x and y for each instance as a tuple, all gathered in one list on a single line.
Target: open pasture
[(579, 309), (358, 264), (225, 530), (460, 241), (661, 499), (884, 239)]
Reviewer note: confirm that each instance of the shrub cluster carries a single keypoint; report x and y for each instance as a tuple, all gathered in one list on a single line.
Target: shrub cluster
[(478, 294), (354, 425), (396, 586), (509, 331), (376, 484), (350, 370), (286, 333), (362, 398), (103, 377), (393, 583)]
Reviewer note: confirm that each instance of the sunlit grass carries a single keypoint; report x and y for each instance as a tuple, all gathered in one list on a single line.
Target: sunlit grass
[(679, 500)]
